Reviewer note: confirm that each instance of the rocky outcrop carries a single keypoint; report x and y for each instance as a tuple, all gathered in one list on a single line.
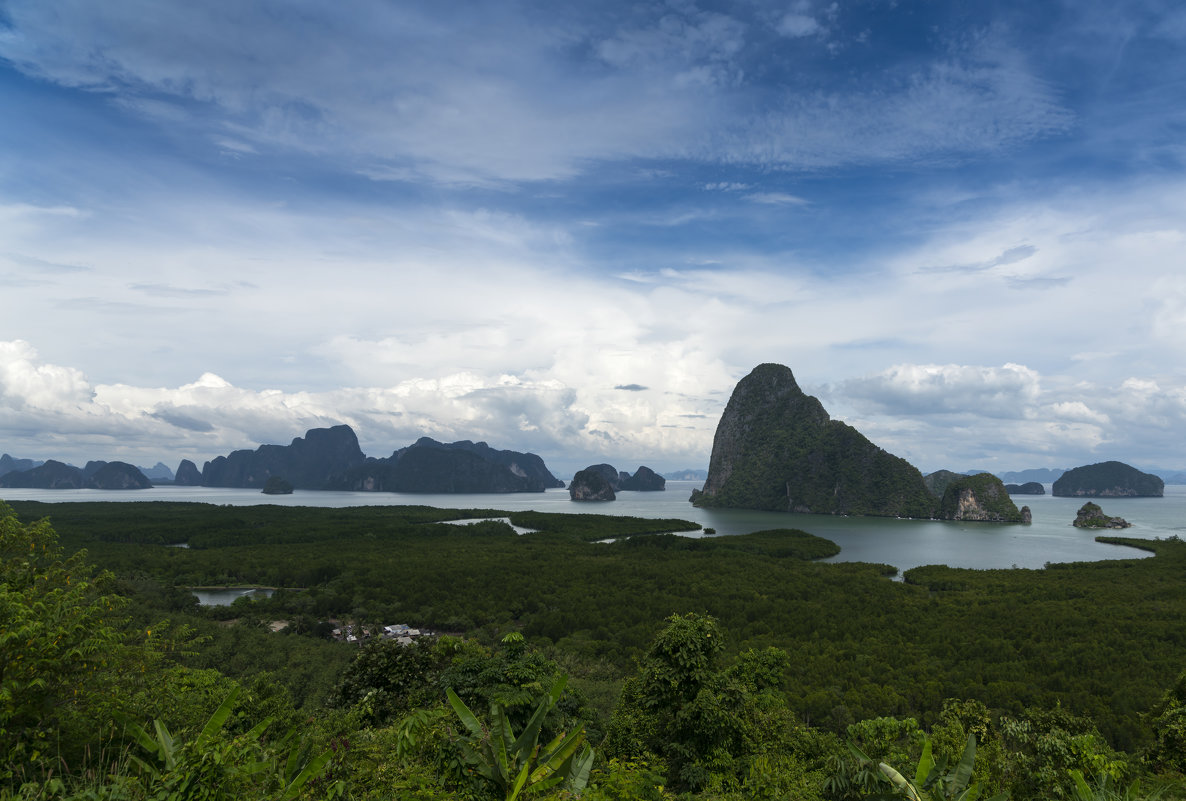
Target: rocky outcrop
[(116, 476), (937, 481), (322, 456), (187, 474), (776, 449), (428, 466), (9, 464), (1027, 516), (276, 485), (1028, 488), (1108, 480), (1090, 515), (644, 480), (51, 475), (591, 484), (980, 498), (611, 474)]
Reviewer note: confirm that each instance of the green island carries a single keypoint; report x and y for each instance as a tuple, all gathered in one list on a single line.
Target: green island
[(560, 665)]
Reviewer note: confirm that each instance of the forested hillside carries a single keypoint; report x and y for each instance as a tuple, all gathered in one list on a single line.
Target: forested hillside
[(731, 667)]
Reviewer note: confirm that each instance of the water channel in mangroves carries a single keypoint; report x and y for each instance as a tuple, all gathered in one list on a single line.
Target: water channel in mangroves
[(902, 543)]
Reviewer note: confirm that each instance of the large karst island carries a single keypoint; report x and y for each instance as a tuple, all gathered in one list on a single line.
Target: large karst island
[(331, 459), (324, 459), (602, 482), (777, 449), (95, 475), (1108, 480)]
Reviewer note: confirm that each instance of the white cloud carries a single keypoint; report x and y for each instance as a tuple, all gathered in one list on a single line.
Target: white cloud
[(1010, 391), (798, 25), (776, 199)]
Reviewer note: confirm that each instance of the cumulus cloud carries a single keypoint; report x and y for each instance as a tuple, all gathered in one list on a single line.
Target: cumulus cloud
[(911, 389), (49, 411), (797, 25)]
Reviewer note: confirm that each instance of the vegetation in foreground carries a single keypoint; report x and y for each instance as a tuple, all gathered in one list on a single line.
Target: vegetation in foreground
[(107, 688)]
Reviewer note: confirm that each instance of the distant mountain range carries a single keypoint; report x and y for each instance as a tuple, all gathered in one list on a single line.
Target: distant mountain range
[(686, 475)]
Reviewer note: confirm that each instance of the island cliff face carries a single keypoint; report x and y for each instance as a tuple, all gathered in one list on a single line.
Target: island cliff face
[(116, 476), (96, 475), (601, 482), (776, 449), (187, 475), (644, 480), (591, 484), (982, 498), (1028, 488), (307, 463), (1108, 480), (50, 475), (457, 467), (9, 464)]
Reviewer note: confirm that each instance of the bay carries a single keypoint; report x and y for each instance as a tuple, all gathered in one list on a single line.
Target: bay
[(901, 543)]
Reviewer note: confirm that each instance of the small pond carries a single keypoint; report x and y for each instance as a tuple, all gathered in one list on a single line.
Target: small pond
[(221, 596)]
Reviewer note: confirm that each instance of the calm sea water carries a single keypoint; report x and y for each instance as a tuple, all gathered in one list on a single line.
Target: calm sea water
[(902, 543)]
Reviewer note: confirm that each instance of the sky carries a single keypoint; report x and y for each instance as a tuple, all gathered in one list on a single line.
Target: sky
[(571, 228)]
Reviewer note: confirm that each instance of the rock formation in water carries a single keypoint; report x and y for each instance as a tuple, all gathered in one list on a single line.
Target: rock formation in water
[(276, 485), (644, 480), (51, 475), (1027, 517), (981, 498), (428, 466), (115, 476), (1028, 488), (322, 456), (591, 484), (776, 449), (1108, 480), (1090, 515), (9, 464), (611, 474), (187, 474)]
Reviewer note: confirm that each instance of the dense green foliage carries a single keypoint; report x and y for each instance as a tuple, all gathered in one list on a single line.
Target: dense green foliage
[(937, 482), (1108, 479), (978, 497), (56, 632), (753, 695)]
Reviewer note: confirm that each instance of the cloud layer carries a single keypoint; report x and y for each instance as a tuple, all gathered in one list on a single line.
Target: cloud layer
[(572, 229)]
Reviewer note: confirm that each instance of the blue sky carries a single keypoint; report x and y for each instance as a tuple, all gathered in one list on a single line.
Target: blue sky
[(571, 228)]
